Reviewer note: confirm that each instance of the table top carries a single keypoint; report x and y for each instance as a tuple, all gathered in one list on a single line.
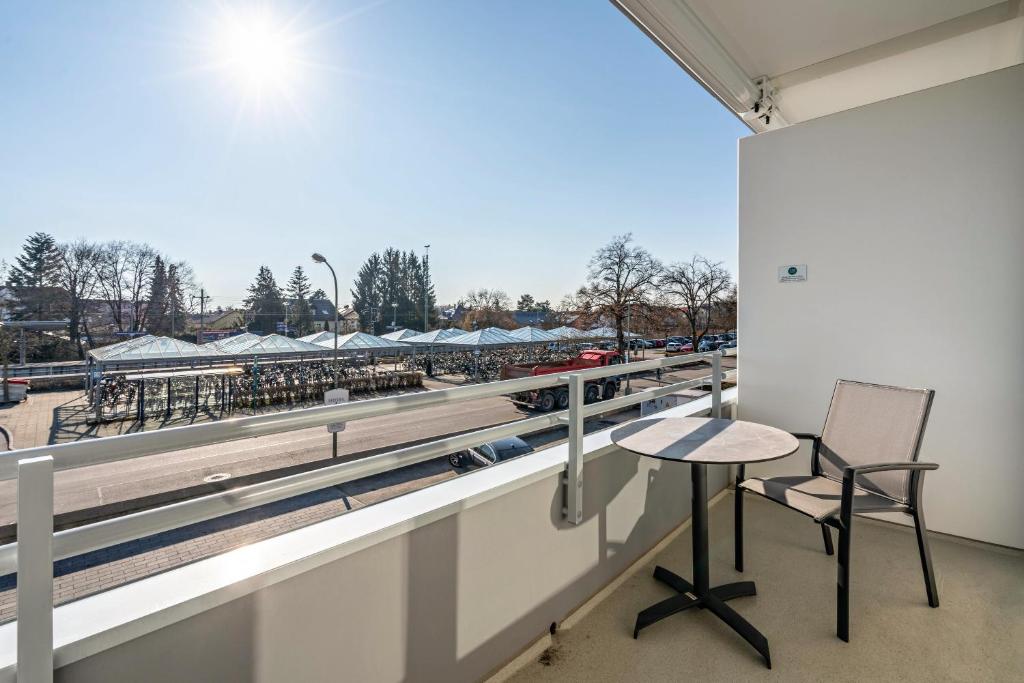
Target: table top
[(704, 440)]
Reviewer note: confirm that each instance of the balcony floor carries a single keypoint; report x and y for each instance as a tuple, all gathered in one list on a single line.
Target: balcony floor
[(975, 634)]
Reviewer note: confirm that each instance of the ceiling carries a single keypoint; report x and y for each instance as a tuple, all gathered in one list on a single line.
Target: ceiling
[(773, 37)]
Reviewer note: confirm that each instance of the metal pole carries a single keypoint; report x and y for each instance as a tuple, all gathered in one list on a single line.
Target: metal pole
[(334, 435), (35, 570), (716, 384), (629, 312), (574, 473), (699, 527)]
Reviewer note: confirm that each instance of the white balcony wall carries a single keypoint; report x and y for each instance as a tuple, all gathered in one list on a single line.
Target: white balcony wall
[(450, 600), (909, 215)]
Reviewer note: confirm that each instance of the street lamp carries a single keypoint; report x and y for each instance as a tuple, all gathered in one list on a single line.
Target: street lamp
[(318, 258), (394, 316)]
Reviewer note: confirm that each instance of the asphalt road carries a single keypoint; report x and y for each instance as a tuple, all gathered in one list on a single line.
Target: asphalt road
[(103, 485), (115, 488)]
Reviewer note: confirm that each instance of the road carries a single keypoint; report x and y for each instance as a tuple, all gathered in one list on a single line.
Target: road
[(113, 486), (108, 485)]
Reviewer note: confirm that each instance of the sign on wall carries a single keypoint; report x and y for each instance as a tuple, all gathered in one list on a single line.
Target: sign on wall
[(793, 273)]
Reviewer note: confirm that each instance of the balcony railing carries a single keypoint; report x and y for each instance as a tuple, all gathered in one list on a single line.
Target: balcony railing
[(37, 547)]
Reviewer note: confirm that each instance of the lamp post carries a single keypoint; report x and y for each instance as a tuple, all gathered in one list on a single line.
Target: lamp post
[(318, 258), (394, 316)]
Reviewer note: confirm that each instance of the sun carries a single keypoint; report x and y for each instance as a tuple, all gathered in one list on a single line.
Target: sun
[(258, 51)]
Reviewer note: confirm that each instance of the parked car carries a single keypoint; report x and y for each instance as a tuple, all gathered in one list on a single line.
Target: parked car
[(489, 453), (678, 347), (727, 345), (660, 343), (708, 343)]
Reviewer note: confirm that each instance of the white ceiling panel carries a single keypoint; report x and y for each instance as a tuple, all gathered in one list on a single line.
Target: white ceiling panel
[(773, 37)]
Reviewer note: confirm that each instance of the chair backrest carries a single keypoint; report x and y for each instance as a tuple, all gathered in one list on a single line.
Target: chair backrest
[(871, 423)]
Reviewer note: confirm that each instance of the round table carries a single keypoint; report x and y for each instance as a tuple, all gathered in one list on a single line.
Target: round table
[(703, 441)]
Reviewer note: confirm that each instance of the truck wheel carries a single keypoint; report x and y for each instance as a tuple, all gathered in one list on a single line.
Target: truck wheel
[(609, 391), (546, 402), (591, 394), (563, 400)]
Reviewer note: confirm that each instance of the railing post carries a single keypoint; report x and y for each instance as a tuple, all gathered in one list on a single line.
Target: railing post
[(716, 384), (35, 570), (574, 472)]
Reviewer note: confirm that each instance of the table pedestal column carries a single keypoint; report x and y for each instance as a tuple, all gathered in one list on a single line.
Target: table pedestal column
[(699, 593)]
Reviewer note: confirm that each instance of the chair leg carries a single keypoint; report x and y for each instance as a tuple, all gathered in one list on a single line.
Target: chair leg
[(843, 587), (738, 519), (826, 535), (926, 558)]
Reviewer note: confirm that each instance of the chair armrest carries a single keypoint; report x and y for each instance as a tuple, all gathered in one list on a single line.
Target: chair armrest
[(815, 440), (852, 470), (850, 473), (802, 435)]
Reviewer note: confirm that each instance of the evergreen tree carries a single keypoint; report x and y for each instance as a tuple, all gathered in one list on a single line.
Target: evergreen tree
[(426, 290), (368, 293), (33, 278), (156, 311), (179, 282), (264, 303), (302, 312), (318, 294)]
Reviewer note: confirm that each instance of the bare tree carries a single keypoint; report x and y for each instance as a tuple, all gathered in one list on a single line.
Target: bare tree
[(487, 308), (125, 273), (77, 275), (699, 286), (622, 274)]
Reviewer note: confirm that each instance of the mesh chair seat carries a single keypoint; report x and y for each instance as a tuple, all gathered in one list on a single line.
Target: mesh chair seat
[(817, 497)]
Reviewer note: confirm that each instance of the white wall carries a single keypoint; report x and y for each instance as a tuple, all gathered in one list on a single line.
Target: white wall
[(909, 214), (451, 600)]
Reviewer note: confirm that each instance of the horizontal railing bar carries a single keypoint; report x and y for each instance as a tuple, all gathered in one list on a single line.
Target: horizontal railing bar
[(110, 532), (640, 396), (129, 446)]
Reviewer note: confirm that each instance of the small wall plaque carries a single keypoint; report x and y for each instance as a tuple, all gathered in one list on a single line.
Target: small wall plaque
[(793, 273)]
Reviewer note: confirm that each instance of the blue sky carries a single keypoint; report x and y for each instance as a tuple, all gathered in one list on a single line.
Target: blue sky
[(515, 138)]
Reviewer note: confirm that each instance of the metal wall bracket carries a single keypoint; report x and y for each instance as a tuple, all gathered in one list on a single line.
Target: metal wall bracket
[(574, 468)]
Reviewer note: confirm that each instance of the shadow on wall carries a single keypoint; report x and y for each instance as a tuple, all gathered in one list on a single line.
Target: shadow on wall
[(560, 581)]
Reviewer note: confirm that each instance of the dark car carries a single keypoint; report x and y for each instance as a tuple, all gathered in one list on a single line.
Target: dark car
[(489, 453), (709, 343)]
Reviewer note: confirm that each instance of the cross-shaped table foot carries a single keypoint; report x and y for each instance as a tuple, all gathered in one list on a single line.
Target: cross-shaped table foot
[(713, 600)]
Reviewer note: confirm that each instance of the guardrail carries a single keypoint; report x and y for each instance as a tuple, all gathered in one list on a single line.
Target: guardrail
[(33, 554)]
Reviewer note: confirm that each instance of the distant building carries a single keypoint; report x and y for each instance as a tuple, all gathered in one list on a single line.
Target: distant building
[(531, 318), (348, 318)]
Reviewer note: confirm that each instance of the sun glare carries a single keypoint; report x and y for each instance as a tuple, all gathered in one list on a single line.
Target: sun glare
[(258, 51)]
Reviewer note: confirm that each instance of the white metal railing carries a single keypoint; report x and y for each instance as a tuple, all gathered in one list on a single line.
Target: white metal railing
[(32, 555)]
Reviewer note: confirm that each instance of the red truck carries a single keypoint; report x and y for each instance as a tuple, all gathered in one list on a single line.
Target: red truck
[(558, 397)]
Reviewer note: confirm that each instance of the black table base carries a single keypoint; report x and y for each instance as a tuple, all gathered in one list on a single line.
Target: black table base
[(699, 593)]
